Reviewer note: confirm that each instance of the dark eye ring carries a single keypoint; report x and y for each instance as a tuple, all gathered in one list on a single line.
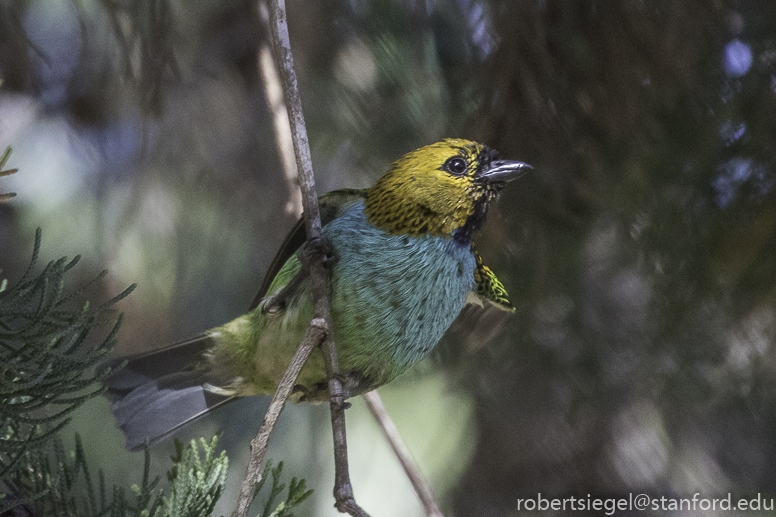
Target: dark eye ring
[(456, 165)]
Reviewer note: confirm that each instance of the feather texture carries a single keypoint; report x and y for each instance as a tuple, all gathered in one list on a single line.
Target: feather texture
[(403, 269)]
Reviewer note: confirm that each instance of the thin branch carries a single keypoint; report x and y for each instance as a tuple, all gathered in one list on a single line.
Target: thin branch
[(391, 434), (343, 491), (273, 92), (314, 336), (319, 328)]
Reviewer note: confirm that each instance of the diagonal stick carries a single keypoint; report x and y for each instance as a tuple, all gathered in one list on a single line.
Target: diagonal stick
[(391, 434), (314, 336)]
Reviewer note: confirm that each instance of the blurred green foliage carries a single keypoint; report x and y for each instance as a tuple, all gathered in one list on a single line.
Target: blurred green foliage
[(48, 371), (639, 254)]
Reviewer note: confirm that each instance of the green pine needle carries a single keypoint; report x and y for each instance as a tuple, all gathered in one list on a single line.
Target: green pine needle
[(3, 159), (47, 360), (47, 370), (196, 481), (297, 493)]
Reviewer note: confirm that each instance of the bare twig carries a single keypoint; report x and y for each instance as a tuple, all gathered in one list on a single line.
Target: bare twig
[(283, 140), (319, 328), (375, 404), (314, 336), (343, 491)]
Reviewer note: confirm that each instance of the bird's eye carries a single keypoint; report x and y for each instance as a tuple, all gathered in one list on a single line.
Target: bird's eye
[(456, 165)]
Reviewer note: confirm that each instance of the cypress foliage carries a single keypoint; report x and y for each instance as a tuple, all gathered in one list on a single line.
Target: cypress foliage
[(47, 370)]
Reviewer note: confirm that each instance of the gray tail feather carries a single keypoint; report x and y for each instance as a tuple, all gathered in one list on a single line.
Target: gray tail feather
[(159, 392)]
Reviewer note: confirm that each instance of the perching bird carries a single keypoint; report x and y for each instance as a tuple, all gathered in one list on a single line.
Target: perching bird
[(403, 267)]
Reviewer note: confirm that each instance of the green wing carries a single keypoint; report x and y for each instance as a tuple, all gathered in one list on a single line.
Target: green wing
[(331, 206), (488, 287)]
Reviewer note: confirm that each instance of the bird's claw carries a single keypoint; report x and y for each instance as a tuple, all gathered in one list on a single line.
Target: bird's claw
[(306, 394), (344, 393), (320, 392)]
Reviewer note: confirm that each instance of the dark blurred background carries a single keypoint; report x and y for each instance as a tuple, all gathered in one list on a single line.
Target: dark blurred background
[(640, 253)]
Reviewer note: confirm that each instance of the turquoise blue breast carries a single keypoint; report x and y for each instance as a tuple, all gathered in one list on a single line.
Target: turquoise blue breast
[(393, 296)]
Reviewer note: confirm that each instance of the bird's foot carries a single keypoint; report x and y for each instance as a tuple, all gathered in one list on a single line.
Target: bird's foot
[(318, 392), (306, 394), (344, 392)]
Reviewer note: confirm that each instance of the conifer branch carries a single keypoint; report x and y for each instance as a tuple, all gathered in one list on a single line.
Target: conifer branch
[(48, 371), (46, 356), (196, 482), (3, 160)]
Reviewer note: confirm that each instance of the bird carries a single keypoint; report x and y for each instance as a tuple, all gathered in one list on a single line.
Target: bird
[(402, 266)]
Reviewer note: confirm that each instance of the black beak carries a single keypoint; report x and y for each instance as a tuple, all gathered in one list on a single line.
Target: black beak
[(502, 171)]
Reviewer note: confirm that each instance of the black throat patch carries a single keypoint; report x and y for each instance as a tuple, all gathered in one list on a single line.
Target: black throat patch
[(474, 222), (464, 234)]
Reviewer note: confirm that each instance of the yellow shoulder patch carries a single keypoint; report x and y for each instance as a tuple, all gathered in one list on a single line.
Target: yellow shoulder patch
[(489, 287)]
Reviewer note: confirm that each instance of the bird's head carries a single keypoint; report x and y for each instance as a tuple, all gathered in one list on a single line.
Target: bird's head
[(442, 189)]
